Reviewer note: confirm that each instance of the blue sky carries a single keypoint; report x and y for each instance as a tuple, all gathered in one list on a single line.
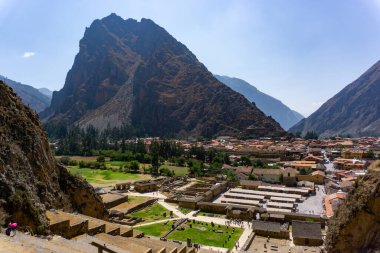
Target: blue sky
[(299, 51)]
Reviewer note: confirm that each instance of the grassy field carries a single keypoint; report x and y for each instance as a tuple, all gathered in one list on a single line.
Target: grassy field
[(201, 233), (116, 164), (153, 213), (210, 214), (204, 234), (105, 176), (179, 171), (185, 210), (157, 230)]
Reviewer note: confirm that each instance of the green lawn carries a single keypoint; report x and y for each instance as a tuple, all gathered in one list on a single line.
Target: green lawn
[(179, 171), (203, 234), (199, 233), (152, 213), (103, 176), (210, 214), (157, 230), (185, 210)]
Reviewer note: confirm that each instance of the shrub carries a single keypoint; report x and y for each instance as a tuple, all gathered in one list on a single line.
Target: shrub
[(65, 160)]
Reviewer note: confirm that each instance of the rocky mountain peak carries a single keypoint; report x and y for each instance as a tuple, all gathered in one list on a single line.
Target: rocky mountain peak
[(135, 73)]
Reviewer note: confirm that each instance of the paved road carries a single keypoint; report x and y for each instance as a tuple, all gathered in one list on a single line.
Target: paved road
[(329, 165), (147, 194), (313, 204)]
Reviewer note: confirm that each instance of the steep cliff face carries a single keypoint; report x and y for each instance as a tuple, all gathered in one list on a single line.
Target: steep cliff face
[(356, 225), (30, 179), (355, 110), (135, 73)]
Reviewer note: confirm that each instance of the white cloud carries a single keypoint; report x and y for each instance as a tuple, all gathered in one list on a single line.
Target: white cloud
[(28, 54)]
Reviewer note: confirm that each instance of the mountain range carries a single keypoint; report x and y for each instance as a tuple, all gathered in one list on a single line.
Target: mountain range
[(136, 74), (354, 111), (269, 105), (29, 95)]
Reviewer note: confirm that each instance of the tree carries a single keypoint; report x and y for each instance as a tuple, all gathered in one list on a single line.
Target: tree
[(311, 136), (155, 164), (231, 175), (258, 163), (244, 160), (65, 160), (195, 167), (134, 166), (100, 158)]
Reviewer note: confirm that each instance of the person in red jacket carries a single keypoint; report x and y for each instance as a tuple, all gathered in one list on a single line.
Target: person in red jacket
[(12, 228)]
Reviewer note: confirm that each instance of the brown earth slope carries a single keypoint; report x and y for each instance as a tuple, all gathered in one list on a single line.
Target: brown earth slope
[(355, 110), (30, 179), (356, 224), (135, 73)]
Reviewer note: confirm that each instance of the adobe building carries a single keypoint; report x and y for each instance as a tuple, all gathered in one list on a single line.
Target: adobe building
[(307, 233), (271, 229), (146, 186), (316, 177), (251, 185)]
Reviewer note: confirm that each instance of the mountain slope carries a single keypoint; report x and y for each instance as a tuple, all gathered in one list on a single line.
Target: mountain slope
[(135, 73), (355, 110), (46, 92), (29, 95), (30, 180), (269, 105), (355, 226)]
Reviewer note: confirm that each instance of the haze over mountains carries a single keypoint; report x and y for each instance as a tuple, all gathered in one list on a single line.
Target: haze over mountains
[(355, 110), (135, 73), (29, 95), (269, 105)]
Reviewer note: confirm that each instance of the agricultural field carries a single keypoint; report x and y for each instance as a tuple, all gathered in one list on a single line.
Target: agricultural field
[(96, 176), (82, 158), (178, 170), (152, 213)]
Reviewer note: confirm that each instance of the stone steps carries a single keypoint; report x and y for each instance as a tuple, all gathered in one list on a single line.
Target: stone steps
[(30, 244), (122, 242), (71, 225)]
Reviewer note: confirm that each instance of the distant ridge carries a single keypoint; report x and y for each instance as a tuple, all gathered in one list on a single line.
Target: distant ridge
[(354, 111), (28, 94), (268, 104), (135, 74), (46, 92)]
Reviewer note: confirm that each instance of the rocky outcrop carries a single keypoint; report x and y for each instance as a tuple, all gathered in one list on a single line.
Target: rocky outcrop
[(29, 95), (355, 110), (30, 179), (269, 105), (136, 74), (356, 224)]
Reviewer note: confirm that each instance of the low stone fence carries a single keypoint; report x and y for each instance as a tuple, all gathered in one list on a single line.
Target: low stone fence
[(248, 243), (175, 226)]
